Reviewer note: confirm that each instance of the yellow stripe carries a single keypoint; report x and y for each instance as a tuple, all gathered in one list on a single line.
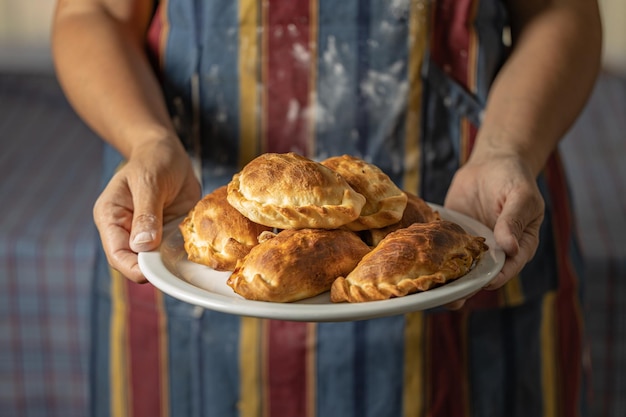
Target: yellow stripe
[(118, 347), (513, 294), (472, 59), (249, 368), (413, 401), (548, 356), (472, 52), (418, 36), (264, 367), (313, 31), (248, 80), (464, 139), (264, 57)]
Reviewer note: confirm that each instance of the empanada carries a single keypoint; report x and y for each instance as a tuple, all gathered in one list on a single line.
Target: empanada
[(416, 258), (296, 264), (416, 211), (217, 235), (384, 201), (288, 191)]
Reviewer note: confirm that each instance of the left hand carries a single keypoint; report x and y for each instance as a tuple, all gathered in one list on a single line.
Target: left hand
[(502, 193)]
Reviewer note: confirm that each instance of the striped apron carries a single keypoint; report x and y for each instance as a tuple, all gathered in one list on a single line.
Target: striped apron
[(401, 83)]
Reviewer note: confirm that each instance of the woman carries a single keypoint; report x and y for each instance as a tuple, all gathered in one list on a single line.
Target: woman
[(433, 94)]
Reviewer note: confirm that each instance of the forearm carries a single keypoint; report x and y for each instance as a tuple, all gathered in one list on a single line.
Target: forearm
[(106, 75), (544, 85)]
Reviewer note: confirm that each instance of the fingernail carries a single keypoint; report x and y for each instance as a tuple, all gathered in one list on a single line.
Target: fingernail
[(143, 237)]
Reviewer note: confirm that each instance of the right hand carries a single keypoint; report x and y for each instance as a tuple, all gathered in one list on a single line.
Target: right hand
[(156, 185)]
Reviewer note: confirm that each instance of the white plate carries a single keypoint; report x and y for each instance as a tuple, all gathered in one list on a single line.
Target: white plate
[(170, 271)]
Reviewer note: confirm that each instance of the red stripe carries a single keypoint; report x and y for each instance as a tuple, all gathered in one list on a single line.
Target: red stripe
[(451, 36), (287, 368), (568, 310), (287, 94), (484, 299), (154, 32), (144, 350), (155, 35), (446, 369), (287, 82), (473, 131)]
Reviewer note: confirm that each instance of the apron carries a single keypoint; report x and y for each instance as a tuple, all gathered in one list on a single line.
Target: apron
[(402, 84)]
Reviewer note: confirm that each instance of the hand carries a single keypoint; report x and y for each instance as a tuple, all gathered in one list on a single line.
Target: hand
[(502, 193), (156, 185)]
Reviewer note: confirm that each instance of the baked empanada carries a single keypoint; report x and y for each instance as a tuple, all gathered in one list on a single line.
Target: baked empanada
[(296, 264), (288, 191), (384, 201), (217, 235), (416, 211), (416, 258)]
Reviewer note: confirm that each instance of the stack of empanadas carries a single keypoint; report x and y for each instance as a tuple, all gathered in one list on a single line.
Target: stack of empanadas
[(291, 228)]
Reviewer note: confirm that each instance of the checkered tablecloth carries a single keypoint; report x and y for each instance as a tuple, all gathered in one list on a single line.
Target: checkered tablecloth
[(594, 153), (49, 178)]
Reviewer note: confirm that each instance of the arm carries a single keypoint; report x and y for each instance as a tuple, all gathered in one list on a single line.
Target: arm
[(534, 100), (546, 81), (98, 49)]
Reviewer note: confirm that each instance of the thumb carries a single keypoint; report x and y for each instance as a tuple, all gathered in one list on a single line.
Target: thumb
[(147, 226), (508, 231), (520, 215)]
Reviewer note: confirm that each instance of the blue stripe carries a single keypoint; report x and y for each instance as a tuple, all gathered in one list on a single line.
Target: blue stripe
[(384, 87), (335, 358), (179, 67), (219, 80), (337, 79), (362, 50), (362, 82), (540, 274), (204, 353), (181, 361), (210, 53), (100, 323), (522, 332), (384, 367), (504, 361), (219, 350), (360, 368), (491, 18), (359, 395)]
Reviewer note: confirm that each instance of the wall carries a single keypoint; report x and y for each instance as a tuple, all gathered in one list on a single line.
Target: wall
[(25, 34), (614, 21), (25, 29)]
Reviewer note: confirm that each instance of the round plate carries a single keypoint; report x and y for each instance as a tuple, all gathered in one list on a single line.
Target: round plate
[(169, 270)]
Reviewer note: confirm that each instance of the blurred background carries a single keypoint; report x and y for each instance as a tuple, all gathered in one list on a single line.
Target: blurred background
[(49, 179), (25, 28), (25, 35)]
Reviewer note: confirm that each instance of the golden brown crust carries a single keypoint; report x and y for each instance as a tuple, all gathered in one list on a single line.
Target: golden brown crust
[(217, 235), (416, 211), (296, 264), (288, 191), (385, 202), (416, 258)]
